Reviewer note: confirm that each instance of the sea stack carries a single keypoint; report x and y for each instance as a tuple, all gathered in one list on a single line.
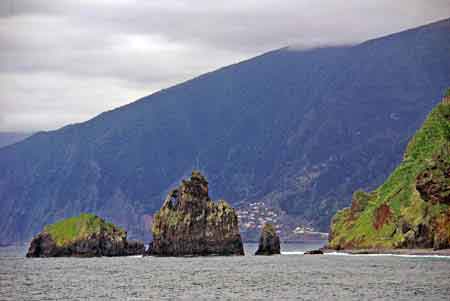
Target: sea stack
[(189, 223), (86, 235), (269, 242)]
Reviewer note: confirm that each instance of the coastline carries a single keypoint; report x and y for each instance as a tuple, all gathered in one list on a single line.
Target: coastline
[(413, 252)]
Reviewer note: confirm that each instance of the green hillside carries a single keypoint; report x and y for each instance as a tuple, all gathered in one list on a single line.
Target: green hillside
[(411, 209)]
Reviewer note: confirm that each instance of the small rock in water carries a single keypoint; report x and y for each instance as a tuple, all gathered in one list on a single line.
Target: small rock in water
[(269, 242), (314, 252)]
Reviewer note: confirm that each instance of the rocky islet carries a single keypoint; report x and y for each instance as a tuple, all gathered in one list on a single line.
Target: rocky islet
[(86, 235)]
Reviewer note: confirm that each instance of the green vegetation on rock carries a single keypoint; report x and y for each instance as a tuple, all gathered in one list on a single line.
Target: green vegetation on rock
[(411, 209), (190, 223), (269, 229), (86, 235), (80, 227)]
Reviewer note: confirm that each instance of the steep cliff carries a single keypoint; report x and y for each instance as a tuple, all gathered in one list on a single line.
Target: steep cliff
[(86, 235), (412, 208), (190, 223)]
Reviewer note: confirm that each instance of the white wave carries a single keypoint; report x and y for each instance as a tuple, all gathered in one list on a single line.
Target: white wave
[(395, 255), (338, 254), (293, 253), (422, 256)]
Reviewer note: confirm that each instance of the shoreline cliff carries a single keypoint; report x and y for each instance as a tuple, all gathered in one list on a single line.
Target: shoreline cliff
[(411, 210)]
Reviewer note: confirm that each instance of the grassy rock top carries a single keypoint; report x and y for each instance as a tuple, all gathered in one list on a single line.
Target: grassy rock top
[(81, 227), (399, 213)]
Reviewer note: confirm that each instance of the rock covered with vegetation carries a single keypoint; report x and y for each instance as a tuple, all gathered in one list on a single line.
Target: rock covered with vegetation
[(189, 223), (412, 208), (86, 235), (269, 242)]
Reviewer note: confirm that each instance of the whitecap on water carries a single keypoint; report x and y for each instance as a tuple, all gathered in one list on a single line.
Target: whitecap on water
[(292, 253), (396, 255)]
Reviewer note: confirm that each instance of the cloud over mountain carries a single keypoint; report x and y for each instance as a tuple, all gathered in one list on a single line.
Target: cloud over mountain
[(66, 61)]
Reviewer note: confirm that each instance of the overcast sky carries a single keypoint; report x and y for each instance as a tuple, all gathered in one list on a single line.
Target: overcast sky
[(65, 61)]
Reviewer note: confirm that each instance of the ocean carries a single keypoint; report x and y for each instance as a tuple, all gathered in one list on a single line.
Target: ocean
[(290, 276)]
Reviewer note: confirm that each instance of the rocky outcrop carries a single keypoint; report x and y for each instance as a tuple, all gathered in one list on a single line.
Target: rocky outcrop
[(433, 183), (84, 236), (134, 247), (269, 242), (189, 223)]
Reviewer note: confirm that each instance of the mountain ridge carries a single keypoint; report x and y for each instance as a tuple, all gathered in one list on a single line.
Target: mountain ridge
[(285, 48), (9, 138), (299, 130)]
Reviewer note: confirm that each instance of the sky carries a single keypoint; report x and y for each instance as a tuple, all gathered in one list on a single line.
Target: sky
[(65, 61)]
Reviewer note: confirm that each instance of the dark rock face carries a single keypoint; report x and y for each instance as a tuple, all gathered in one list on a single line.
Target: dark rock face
[(421, 236), (102, 240), (43, 246), (314, 252), (134, 247), (190, 224), (269, 242), (433, 183)]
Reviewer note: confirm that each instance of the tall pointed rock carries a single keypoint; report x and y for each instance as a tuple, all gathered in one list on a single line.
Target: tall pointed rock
[(189, 223)]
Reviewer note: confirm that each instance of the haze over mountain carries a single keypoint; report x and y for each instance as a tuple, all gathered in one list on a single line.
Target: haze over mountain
[(7, 138), (300, 130)]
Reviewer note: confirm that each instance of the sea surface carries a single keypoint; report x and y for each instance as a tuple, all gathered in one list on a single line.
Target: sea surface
[(290, 276)]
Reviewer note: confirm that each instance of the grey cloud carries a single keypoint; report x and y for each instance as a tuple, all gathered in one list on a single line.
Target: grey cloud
[(134, 47)]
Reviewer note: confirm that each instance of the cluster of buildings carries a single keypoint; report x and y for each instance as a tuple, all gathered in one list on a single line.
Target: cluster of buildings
[(302, 230), (309, 232), (255, 215)]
